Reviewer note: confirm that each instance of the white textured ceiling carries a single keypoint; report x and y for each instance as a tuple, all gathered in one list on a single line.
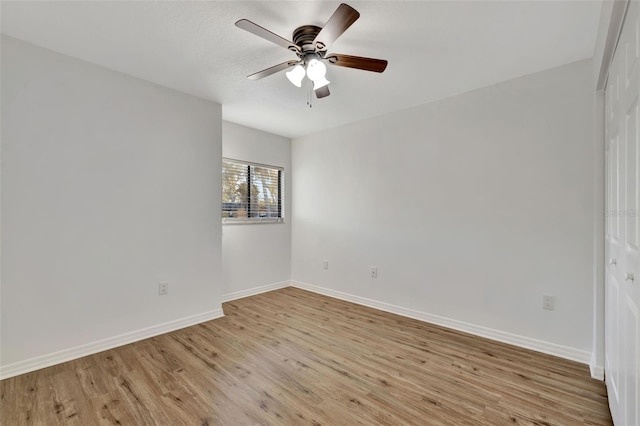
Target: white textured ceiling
[(434, 49)]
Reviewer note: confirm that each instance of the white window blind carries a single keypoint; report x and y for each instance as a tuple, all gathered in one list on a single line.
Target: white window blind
[(251, 192)]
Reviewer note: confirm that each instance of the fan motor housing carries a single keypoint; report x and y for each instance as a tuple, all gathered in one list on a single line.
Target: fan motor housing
[(303, 37)]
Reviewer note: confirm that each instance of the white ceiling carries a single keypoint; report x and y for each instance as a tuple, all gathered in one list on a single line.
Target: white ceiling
[(435, 50)]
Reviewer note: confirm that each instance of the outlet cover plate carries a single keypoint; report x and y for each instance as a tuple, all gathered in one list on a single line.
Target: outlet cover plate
[(548, 302)]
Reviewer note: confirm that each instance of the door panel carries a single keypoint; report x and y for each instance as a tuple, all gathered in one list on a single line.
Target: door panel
[(631, 229), (613, 353), (615, 190), (632, 365)]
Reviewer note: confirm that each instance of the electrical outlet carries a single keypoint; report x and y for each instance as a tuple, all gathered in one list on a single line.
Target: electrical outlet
[(325, 264), (163, 288), (548, 302), (374, 272)]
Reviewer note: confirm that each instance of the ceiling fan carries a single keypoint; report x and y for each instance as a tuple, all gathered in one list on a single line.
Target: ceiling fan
[(310, 44)]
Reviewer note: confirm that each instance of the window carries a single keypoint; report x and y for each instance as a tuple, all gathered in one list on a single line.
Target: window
[(251, 193)]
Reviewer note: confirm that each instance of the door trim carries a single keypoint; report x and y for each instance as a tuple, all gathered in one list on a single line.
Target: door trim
[(618, 13)]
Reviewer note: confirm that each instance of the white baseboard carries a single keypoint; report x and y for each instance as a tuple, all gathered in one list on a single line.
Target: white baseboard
[(501, 336), (597, 371), (253, 291), (65, 355)]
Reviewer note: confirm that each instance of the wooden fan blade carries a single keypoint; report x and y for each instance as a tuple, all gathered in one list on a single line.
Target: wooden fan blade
[(358, 62), (341, 19), (274, 69), (323, 92), (256, 29)]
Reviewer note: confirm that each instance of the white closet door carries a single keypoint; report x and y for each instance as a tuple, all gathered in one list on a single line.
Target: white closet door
[(622, 348)]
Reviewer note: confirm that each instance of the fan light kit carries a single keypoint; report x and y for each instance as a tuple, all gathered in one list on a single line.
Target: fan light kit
[(310, 44), (316, 71)]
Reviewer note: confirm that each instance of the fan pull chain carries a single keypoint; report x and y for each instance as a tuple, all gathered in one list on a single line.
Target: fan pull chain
[(309, 97)]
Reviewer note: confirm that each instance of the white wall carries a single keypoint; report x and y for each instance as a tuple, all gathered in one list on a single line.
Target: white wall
[(109, 185), (258, 256), (471, 207)]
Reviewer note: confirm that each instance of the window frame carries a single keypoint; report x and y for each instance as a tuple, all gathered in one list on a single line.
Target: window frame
[(255, 220)]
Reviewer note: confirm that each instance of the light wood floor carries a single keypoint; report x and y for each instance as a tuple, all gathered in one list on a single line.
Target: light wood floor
[(291, 357)]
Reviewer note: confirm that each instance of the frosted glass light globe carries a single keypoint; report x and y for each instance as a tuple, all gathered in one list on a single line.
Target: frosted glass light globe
[(296, 75), (320, 83), (316, 70)]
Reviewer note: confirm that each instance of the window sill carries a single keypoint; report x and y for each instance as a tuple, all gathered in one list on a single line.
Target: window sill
[(252, 221)]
